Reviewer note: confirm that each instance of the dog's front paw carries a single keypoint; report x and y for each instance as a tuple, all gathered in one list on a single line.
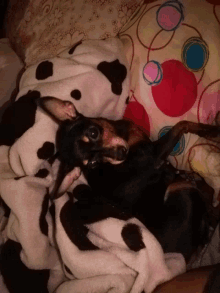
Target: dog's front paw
[(69, 179), (75, 173)]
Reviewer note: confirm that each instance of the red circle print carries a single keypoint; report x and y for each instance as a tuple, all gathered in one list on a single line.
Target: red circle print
[(177, 92), (136, 113)]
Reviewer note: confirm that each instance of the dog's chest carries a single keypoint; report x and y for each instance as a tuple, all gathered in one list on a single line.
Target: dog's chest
[(128, 180)]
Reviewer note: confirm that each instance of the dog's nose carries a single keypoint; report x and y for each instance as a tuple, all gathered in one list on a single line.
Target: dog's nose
[(121, 153), (115, 155)]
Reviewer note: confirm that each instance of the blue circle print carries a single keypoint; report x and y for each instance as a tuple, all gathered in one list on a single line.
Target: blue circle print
[(195, 54), (179, 147)]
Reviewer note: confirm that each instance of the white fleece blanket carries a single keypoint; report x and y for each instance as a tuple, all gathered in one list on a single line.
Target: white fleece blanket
[(94, 76)]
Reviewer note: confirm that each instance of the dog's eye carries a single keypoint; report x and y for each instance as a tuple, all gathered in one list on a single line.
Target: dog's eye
[(92, 164), (93, 133)]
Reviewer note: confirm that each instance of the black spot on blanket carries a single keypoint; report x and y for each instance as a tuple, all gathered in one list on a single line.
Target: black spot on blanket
[(17, 277), (132, 236), (42, 173), (76, 94), (18, 118), (68, 270), (44, 70), (74, 228), (115, 72), (46, 151), (127, 101), (74, 47), (44, 209)]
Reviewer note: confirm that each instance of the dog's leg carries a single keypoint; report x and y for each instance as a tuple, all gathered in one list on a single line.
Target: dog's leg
[(165, 144), (184, 219)]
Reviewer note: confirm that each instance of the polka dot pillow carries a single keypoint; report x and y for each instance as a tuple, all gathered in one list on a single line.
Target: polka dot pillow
[(173, 48)]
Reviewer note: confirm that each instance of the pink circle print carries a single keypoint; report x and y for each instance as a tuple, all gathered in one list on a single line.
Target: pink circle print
[(170, 15), (152, 73), (209, 106)]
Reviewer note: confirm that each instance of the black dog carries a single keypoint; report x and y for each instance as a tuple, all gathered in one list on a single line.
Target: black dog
[(128, 176), (129, 171)]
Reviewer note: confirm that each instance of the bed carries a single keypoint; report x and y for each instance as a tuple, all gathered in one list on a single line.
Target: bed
[(170, 50)]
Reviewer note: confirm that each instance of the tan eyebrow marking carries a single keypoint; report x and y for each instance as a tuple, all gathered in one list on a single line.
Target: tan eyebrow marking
[(85, 139)]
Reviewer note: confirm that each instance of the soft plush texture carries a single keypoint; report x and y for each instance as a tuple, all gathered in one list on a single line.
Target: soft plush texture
[(94, 76), (73, 76)]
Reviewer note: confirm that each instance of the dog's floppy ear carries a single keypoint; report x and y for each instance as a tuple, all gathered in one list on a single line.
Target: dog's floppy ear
[(58, 109)]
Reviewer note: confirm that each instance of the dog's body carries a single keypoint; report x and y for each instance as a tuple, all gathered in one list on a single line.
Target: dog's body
[(129, 177), (130, 187), (129, 171)]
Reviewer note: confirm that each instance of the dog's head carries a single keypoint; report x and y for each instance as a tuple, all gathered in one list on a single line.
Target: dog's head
[(86, 142)]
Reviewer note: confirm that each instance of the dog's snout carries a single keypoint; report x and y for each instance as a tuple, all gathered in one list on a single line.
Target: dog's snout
[(115, 155), (121, 153)]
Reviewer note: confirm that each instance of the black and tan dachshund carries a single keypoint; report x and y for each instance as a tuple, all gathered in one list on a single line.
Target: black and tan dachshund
[(128, 176), (129, 171)]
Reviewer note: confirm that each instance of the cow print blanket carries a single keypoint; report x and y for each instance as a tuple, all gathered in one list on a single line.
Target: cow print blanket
[(111, 254)]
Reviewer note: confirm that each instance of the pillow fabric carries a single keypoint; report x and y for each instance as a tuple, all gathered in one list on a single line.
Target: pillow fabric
[(174, 49), (10, 66), (40, 29)]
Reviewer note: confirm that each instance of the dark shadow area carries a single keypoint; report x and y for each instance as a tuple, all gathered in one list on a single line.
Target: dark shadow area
[(3, 8)]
